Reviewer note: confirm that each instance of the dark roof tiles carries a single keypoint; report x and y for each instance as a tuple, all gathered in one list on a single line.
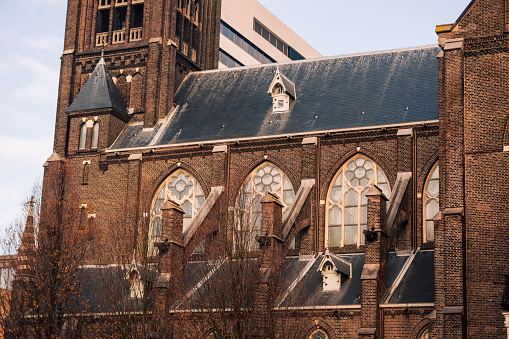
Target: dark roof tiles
[(392, 87), (98, 92)]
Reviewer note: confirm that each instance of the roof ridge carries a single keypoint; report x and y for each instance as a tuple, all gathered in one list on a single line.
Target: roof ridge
[(341, 56)]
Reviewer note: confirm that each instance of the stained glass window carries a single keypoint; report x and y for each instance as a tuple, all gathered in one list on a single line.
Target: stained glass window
[(347, 204), (265, 178), (318, 334), (431, 204), (185, 190)]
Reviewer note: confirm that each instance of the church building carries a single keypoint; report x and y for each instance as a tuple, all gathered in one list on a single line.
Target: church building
[(367, 194)]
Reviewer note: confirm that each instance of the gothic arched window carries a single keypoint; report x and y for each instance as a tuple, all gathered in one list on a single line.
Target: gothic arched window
[(347, 205), (265, 178), (83, 135), (431, 203), (424, 334), (318, 334), (95, 135), (185, 190)]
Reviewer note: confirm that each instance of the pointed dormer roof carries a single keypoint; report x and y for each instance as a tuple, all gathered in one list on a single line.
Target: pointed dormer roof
[(338, 264), (99, 92), (288, 86)]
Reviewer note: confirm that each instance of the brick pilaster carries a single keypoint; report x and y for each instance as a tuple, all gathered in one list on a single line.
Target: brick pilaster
[(133, 199), (309, 160), (169, 284), (374, 273), (153, 81), (450, 239), (268, 286), (405, 164)]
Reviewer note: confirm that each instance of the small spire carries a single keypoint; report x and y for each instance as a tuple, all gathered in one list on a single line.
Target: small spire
[(102, 50), (101, 61), (31, 208), (133, 261), (26, 250)]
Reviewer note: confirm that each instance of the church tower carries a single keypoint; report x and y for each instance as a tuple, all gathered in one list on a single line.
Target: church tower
[(148, 47)]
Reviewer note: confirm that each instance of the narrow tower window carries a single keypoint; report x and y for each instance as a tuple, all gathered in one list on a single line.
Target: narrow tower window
[(86, 170), (95, 135), (137, 16), (431, 204), (121, 17), (83, 135), (104, 20)]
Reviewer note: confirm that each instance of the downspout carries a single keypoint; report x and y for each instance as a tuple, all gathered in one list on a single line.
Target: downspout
[(226, 199), (464, 231), (318, 155), (414, 193)]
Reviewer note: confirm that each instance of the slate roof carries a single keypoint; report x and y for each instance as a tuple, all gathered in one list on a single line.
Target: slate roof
[(417, 284), (301, 282), (392, 87), (105, 289), (98, 92), (208, 284)]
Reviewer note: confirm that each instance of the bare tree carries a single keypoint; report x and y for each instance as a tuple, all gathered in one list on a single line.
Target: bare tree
[(46, 293), (224, 300)]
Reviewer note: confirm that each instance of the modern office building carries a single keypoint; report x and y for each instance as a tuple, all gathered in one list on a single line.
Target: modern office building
[(251, 35)]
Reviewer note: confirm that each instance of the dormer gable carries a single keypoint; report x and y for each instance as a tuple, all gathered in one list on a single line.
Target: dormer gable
[(334, 270), (282, 91), (136, 283)]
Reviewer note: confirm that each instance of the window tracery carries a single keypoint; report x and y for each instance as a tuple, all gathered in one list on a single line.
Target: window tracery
[(265, 178), (182, 188), (318, 334), (431, 203), (347, 202)]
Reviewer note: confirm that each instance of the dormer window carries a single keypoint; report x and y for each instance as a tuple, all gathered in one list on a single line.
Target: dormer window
[(334, 270), (282, 91), (136, 285)]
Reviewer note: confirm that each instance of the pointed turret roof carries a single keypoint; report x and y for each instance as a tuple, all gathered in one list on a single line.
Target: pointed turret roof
[(99, 92), (26, 251)]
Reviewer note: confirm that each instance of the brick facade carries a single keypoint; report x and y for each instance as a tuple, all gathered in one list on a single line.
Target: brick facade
[(471, 245)]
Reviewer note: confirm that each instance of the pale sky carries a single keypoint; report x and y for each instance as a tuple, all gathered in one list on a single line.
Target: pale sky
[(31, 36)]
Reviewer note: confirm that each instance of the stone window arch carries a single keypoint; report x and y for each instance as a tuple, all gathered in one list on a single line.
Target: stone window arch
[(182, 188), (267, 177), (424, 334), (346, 211), (318, 334), (431, 205), (83, 136)]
